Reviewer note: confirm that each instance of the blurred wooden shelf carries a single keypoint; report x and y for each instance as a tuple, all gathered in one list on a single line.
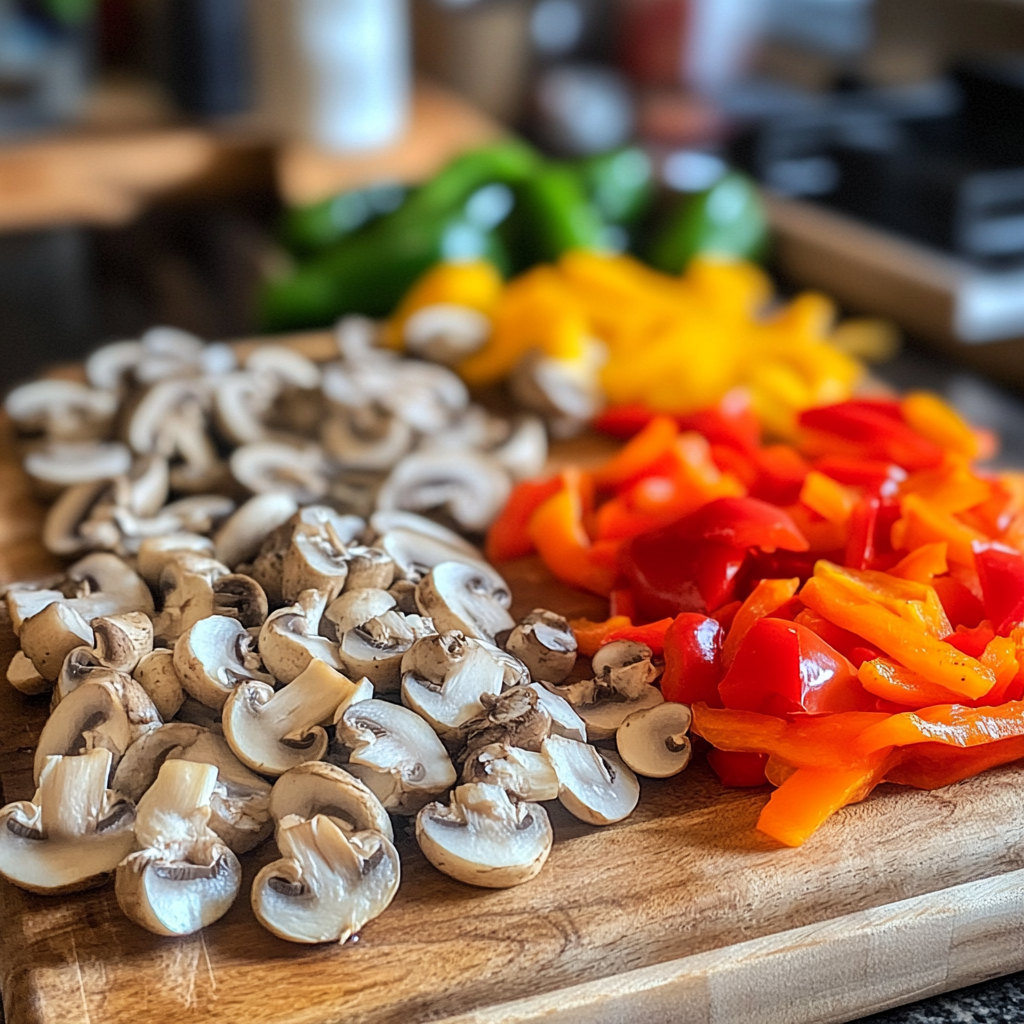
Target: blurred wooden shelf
[(442, 126)]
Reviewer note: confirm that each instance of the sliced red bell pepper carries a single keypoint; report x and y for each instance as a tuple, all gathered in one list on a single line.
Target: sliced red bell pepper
[(624, 420), (1001, 572), (641, 456), (741, 771), (972, 641), (725, 615), (783, 668), (781, 471), (693, 660), (961, 606), (741, 523), (848, 644), (934, 765), (732, 422), (870, 528), (764, 600), (871, 474), (652, 634), (509, 535)]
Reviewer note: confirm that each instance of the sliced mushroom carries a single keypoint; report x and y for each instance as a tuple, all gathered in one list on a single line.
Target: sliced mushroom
[(404, 593), (155, 553), (72, 834), (187, 586), (268, 466), (445, 333), (110, 713), (355, 607), (483, 838), (366, 437), (23, 602), (241, 536), (156, 674), (50, 635), (368, 567), (200, 513), (315, 561), (473, 488), (415, 554), (514, 718), (395, 753), (654, 742), (384, 521), (564, 720), (213, 657), (523, 774), (285, 366), (328, 883), (184, 877), (123, 640), (103, 584), (524, 452), (457, 596), (271, 732), (81, 520), (68, 463), (625, 667), (81, 664), (596, 785), (242, 401), (425, 395), (567, 392), (290, 640), (320, 788), (170, 420), (604, 717), (544, 642), (25, 677), (61, 410), (242, 598), (444, 679), (108, 366)]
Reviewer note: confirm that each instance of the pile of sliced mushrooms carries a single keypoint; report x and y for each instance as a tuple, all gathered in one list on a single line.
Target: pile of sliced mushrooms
[(220, 675)]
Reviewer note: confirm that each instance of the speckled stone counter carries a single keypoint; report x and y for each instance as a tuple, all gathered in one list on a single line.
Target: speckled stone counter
[(994, 1002)]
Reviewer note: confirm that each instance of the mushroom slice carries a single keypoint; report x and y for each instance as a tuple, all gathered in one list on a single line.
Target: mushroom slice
[(444, 679), (545, 643), (103, 584), (187, 587), (155, 553), (284, 366), (596, 785), (123, 640), (415, 554), (141, 764), (564, 720), (242, 401), (167, 418), (483, 838), (375, 648), (457, 596), (24, 602), (264, 466), (290, 640), (156, 674), (80, 665), (108, 713), (315, 561), (184, 877), (355, 607), (445, 332), (328, 883), (369, 567), (72, 834), (319, 788), (81, 520), (272, 732), (625, 667), (384, 521), (654, 743), (200, 513), (566, 391), (514, 718), (425, 395), (472, 488), (25, 677), (604, 717), (213, 657), (523, 454), (395, 753), (67, 463), (241, 536), (61, 409), (50, 635), (523, 774), (366, 437), (108, 366), (242, 598)]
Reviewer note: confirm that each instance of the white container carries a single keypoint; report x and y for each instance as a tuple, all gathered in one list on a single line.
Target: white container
[(335, 73)]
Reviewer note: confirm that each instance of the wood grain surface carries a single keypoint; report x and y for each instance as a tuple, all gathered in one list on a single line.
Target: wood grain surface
[(681, 913)]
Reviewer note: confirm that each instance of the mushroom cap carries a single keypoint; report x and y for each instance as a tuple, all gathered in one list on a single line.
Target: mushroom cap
[(265, 466), (78, 521), (25, 677), (51, 634), (514, 717), (108, 366), (383, 521), (546, 644), (653, 742), (357, 607), (156, 674), (458, 596), (375, 648), (213, 657), (285, 366), (242, 400), (473, 488), (596, 785), (626, 667), (523, 774), (123, 640), (524, 453), (62, 409), (604, 718), (367, 438), (564, 720), (155, 553), (328, 883), (240, 537), (483, 838), (317, 787), (395, 753), (445, 332), (108, 586), (67, 463), (290, 641), (23, 602)]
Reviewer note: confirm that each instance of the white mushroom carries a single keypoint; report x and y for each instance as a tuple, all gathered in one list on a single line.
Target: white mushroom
[(73, 832), (103, 584), (319, 788), (415, 554), (525, 451), (290, 638), (242, 401), (271, 732), (385, 520), (544, 643), (328, 883), (50, 635), (69, 463), (654, 742), (80, 665), (444, 678), (108, 366), (61, 409), (368, 567), (566, 391), (121, 641), (25, 677), (625, 667), (157, 552), (25, 601), (395, 753), (241, 536), (457, 596), (515, 717), (284, 366), (213, 657), (483, 838), (472, 488), (564, 720), (523, 774), (183, 877), (355, 607), (366, 437), (267, 466), (595, 785), (604, 717), (156, 674), (186, 584), (445, 332)]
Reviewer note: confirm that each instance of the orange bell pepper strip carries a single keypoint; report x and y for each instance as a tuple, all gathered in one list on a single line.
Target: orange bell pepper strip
[(895, 683), (923, 564), (928, 415), (906, 643), (921, 523), (557, 532), (934, 765), (640, 456), (509, 534), (950, 724), (812, 741), (831, 500), (591, 636), (651, 634), (952, 487), (810, 796), (765, 599)]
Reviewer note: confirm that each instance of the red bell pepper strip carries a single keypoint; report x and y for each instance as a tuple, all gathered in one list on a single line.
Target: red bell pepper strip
[(731, 422), (972, 641), (641, 456), (869, 545), (934, 765), (509, 535), (961, 606), (622, 602), (1001, 572), (725, 615), (693, 660), (781, 471), (873, 475), (741, 771), (624, 420), (741, 523), (652, 635), (848, 644), (784, 668), (764, 600)]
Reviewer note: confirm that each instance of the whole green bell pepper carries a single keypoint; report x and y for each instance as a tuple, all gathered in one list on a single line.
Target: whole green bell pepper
[(619, 183), (309, 229)]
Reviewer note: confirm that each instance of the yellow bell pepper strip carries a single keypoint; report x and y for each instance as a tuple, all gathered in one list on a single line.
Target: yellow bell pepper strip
[(929, 416), (923, 564), (950, 724), (557, 532), (831, 500), (765, 599), (810, 796), (903, 641), (921, 523)]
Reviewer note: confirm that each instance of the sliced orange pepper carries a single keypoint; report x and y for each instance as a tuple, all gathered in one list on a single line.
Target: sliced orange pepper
[(932, 418), (831, 500), (934, 765), (823, 537), (765, 599), (509, 534), (921, 523), (900, 685), (641, 455), (950, 724), (923, 564), (556, 529), (591, 636), (952, 487)]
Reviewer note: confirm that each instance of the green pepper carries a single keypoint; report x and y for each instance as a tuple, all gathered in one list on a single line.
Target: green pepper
[(620, 183), (308, 229), (728, 219)]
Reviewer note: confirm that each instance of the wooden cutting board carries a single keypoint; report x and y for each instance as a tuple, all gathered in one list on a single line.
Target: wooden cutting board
[(681, 913)]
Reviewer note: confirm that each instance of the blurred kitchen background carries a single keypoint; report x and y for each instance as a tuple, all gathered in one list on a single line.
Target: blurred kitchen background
[(150, 150)]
